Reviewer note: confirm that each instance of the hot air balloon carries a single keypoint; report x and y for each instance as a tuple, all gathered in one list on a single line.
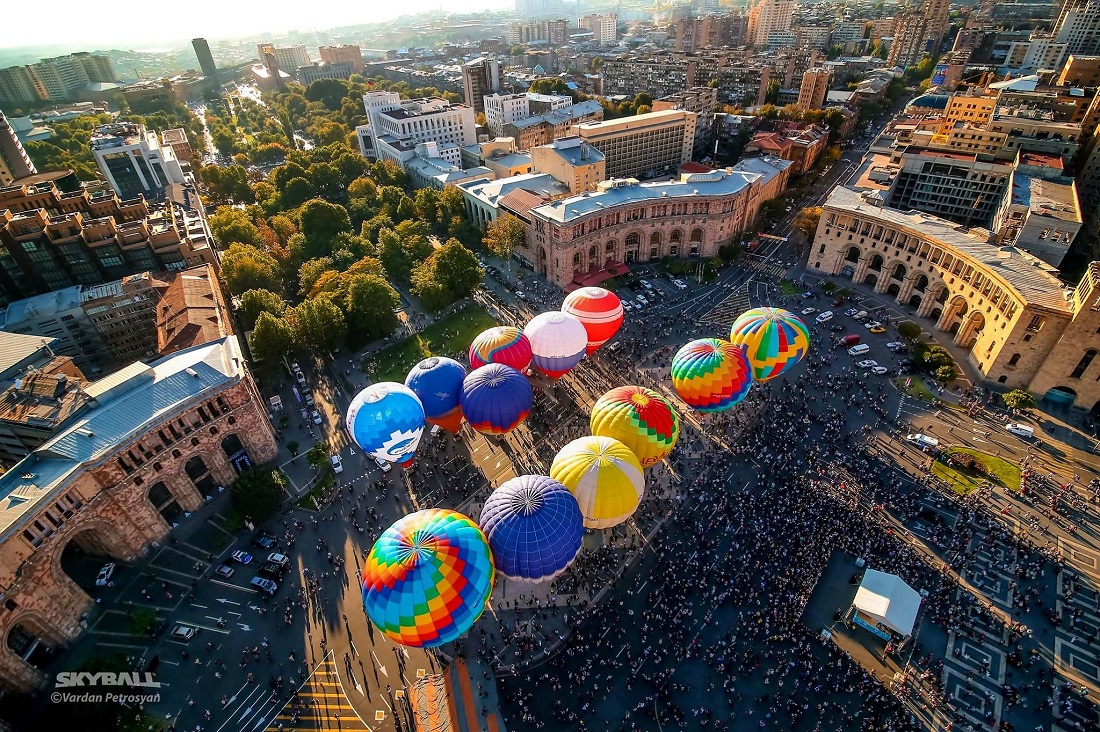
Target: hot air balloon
[(387, 419), (710, 374), (428, 578), (503, 344), (534, 527), (605, 477), (437, 382), (600, 312), (774, 340), (495, 399), (641, 419), (558, 342)]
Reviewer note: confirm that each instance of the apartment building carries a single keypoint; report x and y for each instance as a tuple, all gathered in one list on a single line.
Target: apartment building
[(603, 26), (133, 161), (57, 79), (769, 17), (14, 161), (1080, 70), (571, 161), (703, 101), (545, 128), (286, 58), (1078, 26), (812, 36), (503, 109), (413, 121), (645, 145), (814, 88), (848, 31), (479, 78), (347, 53)]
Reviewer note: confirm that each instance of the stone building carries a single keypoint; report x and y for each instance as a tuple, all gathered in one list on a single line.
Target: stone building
[(157, 440), (586, 239), (1021, 326)]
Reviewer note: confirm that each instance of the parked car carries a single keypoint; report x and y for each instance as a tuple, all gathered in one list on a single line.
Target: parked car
[(224, 571), (859, 350), (301, 378), (878, 328), (241, 556), (271, 570), (337, 465), (807, 294), (263, 584), (184, 632), (645, 284), (824, 317), (105, 574), (316, 417), (680, 284), (867, 363), (871, 324), (263, 540), (879, 370), (627, 306), (861, 315), (641, 299), (894, 345), (281, 559), (809, 311), (309, 399), (850, 312), (1021, 430), (384, 466)]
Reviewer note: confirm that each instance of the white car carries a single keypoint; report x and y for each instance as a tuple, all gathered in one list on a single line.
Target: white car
[(316, 417), (382, 465), (809, 311), (680, 284), (337, 465), (892, 345), (872, 324), (642, 300), (105, 574), (281, 559), (867, 363), (645, 284), (825, 317), (183, 632), (627, 305), (879, 370), (923, 440)]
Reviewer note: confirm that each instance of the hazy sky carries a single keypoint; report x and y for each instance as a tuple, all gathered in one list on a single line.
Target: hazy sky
[(145, 24)]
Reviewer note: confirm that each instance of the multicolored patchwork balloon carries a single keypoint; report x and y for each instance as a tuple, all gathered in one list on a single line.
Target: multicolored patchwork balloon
[(428, 578), (387, 419), (710, 374), (496, 398), (437, 382), (503, 344), (641, 419), (774, 340), (534, 527), (558, 341), (599, 310), (604, 475)]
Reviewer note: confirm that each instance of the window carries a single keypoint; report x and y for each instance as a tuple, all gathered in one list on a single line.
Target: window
[(1083, 364), (1014, 360)]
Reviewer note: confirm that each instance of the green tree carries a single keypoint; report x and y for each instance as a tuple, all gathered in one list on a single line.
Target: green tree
[(297, 192), (231, 225), (326, 180), (257, 493), (504, 236), (272, 338), (311, 271), (254, 302), (395, 260), (450, 274), (329, 92), (370, 306), (318, 325), (938, 356), (321, 221), (945, 373), (317, 456), (245, 267), (909, 330), (1019, 399), (284, 174)]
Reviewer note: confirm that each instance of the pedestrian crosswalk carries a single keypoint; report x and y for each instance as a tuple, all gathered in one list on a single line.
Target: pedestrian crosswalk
[(320, 704), (725, 312)]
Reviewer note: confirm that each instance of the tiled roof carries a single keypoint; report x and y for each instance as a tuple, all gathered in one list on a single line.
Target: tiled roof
[(190, 312)]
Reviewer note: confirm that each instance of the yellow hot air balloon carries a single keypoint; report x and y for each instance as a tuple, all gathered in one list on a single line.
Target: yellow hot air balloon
[(641, 419), (605, 477)]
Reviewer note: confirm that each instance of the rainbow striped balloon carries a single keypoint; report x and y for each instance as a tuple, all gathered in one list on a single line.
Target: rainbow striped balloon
[(641, 419), (774, 340), (711, 375), (502, 344), (428, 578)]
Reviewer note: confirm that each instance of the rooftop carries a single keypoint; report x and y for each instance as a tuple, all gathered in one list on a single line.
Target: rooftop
[(622, 192), (1033, 280), (574, 151), (190, 312), (126, 404), (117, 134), (491, 192), (15, 348), (1053, 198), (560, 116), (44, 397), (40, 306)]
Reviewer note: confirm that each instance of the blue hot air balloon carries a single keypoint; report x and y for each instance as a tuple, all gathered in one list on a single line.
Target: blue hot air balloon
[(387, 420), (437, 382), (534, 527), (495, 399)]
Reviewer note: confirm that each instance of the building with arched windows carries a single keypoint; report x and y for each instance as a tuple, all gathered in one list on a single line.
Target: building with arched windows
[(1020, 324), (584, 239), (155, 441)]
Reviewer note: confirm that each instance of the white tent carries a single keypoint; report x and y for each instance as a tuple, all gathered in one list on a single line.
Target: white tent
[(885, 599)]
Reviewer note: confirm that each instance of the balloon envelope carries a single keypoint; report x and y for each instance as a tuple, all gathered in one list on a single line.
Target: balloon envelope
[(600, 312), (604, 476), (558, 342), (386, 419), (641, 419), (503, 344), (428, 578), (774, 339), (534, 527), (710, 374), (437, 382), (496, 398)]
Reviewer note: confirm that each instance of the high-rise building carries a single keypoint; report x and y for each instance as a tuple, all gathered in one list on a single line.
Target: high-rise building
[(397, 124), (768, 17), (815, 85), (14, 161), (133, 161), (479, 78), (18, 85), (910, 39), (645, 145), (604, 27), (557, 32), (703, 101), (347, 53), (59, 78), (287, 58), (206, 59), (1078, 26), (503, 109)]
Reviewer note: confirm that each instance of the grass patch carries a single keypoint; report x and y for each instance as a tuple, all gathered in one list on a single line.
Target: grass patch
[(917, 388), (318, 493), (965, 480), (448, 337), (790, 288)]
